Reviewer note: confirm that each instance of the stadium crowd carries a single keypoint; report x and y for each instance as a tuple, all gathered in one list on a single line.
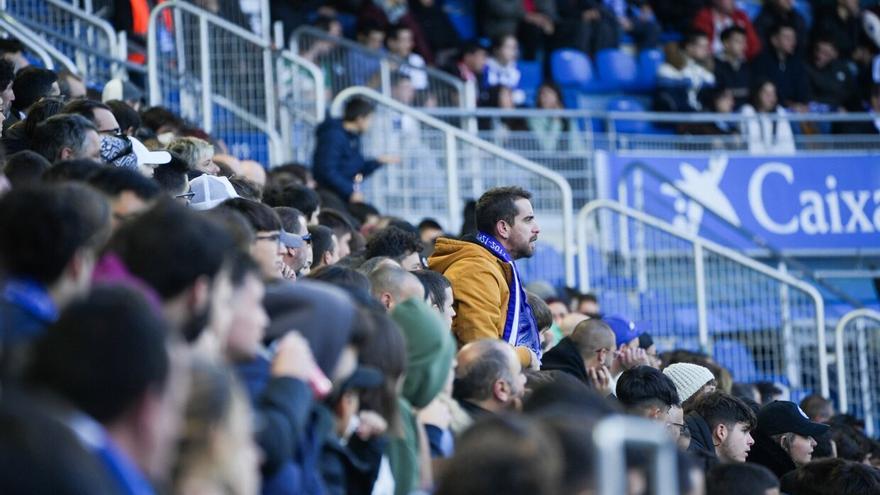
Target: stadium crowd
[(174, 320)]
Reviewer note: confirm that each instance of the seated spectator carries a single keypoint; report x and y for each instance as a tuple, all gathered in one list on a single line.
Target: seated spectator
[(438, 293), (29, 86), (429, 231), (216, 451), (173, 180), (587, 354), (501, 97), (692, 381), (863, 127), (20, 135), (41, 278), (817, 408), (325, 246), (393, 285), (209, 191), (197, 153), (636, 18), (341, 226), (626, 338), (722, 14), (551, 133), (831, 477), (163, 123), (440, 34), (470, 63), (736, 479), (731, 70), (784, 437), (645, 391), (720, 426), (12, 50), (127, 117), (399, 40), (128, 192), (401, 246), (840, 22), (684, 73), (361, 69), (389, 13), (766, 129), (587, 25), (832, 80), (501, 69), (775, 12), (25, 168), (294, 196), (297, 258), (67, 137), (781, 64), (488, 378), (268, 246), (127, 394)]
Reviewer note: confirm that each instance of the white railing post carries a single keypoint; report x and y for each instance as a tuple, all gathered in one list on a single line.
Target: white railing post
[(791, 370), (452, 194), (612, 435), (205, 70), (702, 311), (840, 351)]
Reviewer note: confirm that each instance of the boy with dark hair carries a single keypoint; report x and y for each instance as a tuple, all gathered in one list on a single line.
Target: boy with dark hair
[(172, 178), (737, 479), (341, 226), (294, 196), (832, 477), (438, 292), (25, 168), (395, 243), (647, 392), (325, 246), (732, 70), (127, 117), (338, 160), (98, 113), (129, 192), (720, 427), (268, 245), (31, 84), (47, 253), (491, 297)]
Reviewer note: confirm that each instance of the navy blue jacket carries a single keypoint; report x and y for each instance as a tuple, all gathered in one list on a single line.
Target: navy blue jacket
[(338, 158)]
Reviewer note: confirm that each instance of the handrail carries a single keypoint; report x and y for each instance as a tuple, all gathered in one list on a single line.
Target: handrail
[(843, 400), (458, 84), (454, 132), (610, 438), (93, 20), (704, 244), (48, 53), (317, 75), (759, 241)]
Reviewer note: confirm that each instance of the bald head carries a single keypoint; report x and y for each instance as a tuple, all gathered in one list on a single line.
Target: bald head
[(570, 321), (476, 350), (489, 374), (393, 285), (592, 336)]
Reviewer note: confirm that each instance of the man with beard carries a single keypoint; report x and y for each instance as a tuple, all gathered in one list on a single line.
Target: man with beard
[(178, 252), (490, 299), (488, 378)]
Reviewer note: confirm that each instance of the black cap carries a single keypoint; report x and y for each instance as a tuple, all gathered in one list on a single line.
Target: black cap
[(782, 416)]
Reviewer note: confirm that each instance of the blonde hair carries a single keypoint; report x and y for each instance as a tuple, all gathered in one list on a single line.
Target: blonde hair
[(192, 150)]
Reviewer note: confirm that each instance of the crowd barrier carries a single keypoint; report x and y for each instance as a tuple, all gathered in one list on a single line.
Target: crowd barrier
[(857, 346)]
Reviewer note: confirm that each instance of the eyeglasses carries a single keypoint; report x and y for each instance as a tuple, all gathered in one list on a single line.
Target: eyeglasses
[(187, 196), (276, 238), (683, 429)]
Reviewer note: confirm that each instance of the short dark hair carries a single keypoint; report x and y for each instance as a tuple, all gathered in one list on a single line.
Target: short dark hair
[(84, 107), (394, 243), (7, 73), (435, 285), (293, 195), (738, 478), (469, 48), (152, 245), (25, 168), (76, 170), (116, 343), (360, 211), (815, 404), (61, 131), (261, 217), (730, 31), (475, 381), (290, 218), (393, 31), (31, 84), (429, 223), (541, 311), (356, 108), (691, 36), (64, 84), (39, 112), (643, 385), (778, 27), (114, 180), (246, 189), (240, 264), (721, 408), (171, 176), (343, 277), (155, 117), (44, 227), (336, 221), (832, 476), (126, 116), (235, 224), (322, 241), (498, 204)]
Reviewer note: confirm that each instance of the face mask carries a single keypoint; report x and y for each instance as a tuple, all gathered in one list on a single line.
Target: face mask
[(118, 151)]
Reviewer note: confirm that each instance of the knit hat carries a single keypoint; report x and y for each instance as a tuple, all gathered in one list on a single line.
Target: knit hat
[(688, 378)]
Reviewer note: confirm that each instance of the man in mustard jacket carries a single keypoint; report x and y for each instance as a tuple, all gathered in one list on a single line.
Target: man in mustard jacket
[(490, 301)]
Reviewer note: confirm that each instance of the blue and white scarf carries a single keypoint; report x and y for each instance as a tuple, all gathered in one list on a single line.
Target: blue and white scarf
[(520, 328)]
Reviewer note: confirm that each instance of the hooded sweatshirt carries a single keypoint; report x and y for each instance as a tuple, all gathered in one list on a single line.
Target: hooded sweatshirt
[(565, 357), (430, 350), (769, 454), (481, 287), (702, 447)]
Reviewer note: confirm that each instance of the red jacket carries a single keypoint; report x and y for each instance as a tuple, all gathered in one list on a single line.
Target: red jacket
[(704, 21)]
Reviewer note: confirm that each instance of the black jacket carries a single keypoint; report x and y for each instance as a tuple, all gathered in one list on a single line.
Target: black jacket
[(566, 357), (769, 454), (789, 76), (701, 447), (737, 79)]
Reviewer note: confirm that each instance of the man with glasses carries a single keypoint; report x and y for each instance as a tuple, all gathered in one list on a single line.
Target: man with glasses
[(98, 113), (267, 248)]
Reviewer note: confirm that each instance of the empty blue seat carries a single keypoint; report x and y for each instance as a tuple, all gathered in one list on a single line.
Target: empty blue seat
[(461, 14), (617, 69), (571, 68), (736, 357), (626, 104), (649, 62), (531, 78)]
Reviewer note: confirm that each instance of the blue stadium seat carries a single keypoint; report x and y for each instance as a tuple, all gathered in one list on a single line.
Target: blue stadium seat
[(531, 78), (736, 357), (572, 71), (649, 62), (627, 104), (752, 9), (617, 69), (461, 14), (806, 10)]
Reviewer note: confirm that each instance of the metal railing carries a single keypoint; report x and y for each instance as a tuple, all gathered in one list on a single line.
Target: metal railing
[(442, 165), (760, 323), (858, 390), (346, 63), (613, 435), (218, 75), (98, 51), (51, 57)]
